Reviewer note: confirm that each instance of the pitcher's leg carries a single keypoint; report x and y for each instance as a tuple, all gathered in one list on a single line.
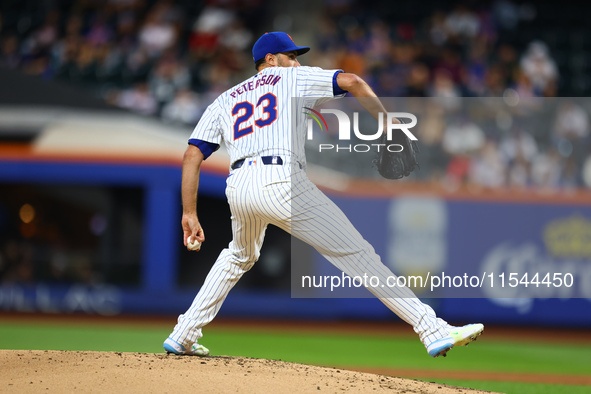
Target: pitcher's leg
[(317, 221), (248, 233), (224, 274)]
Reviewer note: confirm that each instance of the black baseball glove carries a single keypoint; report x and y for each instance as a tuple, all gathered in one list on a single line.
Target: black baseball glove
[(399, 163)]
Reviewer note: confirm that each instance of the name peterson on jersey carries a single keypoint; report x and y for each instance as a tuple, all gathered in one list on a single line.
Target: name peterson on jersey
[(258, 117)]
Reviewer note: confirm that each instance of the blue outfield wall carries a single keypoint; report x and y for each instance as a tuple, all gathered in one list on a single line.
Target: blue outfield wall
[(161, 185), (413, 234), (535, 258)]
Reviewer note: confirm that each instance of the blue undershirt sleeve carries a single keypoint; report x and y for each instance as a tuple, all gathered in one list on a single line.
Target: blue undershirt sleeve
[(336, 90), (207, 148)]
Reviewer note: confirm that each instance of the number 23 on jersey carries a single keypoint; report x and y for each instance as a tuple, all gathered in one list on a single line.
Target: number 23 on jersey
[(245, 110)]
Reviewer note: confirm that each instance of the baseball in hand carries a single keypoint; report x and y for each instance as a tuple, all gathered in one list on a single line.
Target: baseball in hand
[(193, 245)]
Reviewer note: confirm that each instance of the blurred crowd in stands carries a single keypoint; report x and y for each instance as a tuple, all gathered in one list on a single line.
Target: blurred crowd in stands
[(462, 52), (164, 57), (170, 58)]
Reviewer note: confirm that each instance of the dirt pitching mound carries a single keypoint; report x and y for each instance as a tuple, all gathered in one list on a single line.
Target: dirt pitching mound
[(109, 372)]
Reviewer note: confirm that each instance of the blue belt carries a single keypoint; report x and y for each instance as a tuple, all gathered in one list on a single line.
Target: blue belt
[(267, 160)]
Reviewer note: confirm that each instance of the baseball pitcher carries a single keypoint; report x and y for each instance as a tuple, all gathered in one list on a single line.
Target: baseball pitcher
[(267, 184)]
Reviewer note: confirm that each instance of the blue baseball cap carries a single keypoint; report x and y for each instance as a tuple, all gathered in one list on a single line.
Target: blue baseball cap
[(275, 42)]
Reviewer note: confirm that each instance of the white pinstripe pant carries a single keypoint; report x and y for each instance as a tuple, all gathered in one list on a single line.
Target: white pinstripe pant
[(269, 194)]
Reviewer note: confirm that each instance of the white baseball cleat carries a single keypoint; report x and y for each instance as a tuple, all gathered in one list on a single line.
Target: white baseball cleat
[(172, 346), (459, 336)]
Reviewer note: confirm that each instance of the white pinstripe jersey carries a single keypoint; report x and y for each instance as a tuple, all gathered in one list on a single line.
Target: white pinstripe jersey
[(254, 118)]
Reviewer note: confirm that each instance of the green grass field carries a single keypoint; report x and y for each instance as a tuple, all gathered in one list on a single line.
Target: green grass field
[(335, 350)]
